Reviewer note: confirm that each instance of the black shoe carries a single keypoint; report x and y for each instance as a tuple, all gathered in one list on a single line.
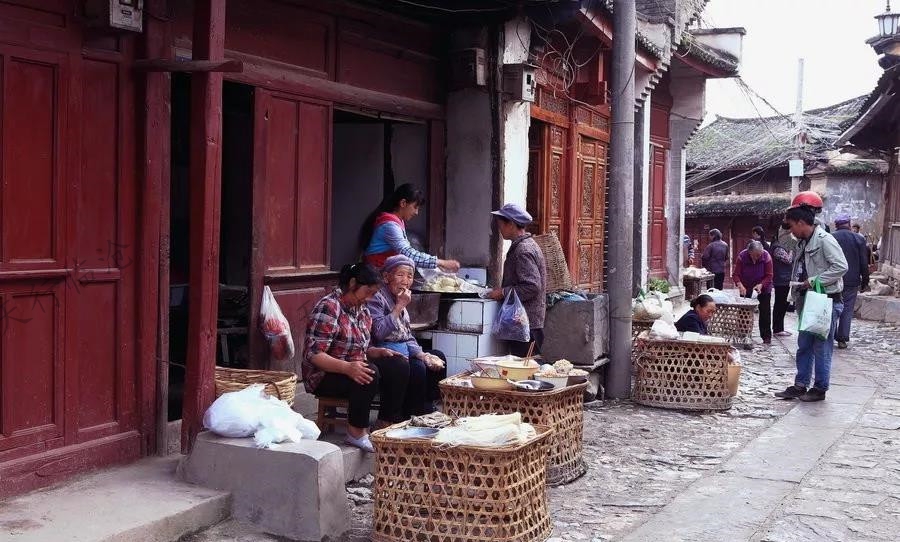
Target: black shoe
[(791, 392), (842, 345), (814, 394)]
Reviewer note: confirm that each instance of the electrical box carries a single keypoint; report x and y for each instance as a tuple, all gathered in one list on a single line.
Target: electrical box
[(467, 68), (795, 168), (519, 81), (117, 14)]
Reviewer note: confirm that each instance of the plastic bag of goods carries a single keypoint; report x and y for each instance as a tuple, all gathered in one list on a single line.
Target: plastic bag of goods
[(720, 296), (816, 315), (512, 320), (235, 414), (275, 327), (487, 430), (279, 423), (663, 330)]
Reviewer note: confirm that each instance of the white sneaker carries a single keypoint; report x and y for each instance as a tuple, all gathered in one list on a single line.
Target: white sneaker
[(363, 443)]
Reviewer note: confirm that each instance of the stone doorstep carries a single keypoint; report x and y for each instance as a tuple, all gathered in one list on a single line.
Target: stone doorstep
[(878, 308), (142, 502)]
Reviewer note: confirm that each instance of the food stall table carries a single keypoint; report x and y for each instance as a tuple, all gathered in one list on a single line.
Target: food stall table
[(734, 321), (561, 408), (429, 491), (694, 286), (680, 374)]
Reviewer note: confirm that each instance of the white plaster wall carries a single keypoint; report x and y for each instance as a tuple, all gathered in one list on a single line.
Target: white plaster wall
[(730, 41), (516, 117), (642, 215)]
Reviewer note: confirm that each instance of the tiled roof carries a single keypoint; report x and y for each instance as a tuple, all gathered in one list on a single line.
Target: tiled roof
[(744, 143), (708, 55), (746, 204)]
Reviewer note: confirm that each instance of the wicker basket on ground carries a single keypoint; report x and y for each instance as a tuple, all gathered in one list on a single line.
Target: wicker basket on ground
[(682, 374), (694, 286), (639, 325), (734, 321), (426, 491), (558, 276), (280, 384), (562, 409)]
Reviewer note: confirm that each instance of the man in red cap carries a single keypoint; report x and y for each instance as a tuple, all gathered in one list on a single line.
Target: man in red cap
[(856, 277)]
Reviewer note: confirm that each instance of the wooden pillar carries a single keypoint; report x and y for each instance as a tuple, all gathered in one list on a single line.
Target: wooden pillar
[(205, 203)]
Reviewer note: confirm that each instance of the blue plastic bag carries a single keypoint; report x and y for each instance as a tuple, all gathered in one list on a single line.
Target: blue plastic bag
[(512, 320)]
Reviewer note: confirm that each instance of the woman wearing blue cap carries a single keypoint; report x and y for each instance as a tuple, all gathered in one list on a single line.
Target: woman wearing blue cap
[(525, 272)]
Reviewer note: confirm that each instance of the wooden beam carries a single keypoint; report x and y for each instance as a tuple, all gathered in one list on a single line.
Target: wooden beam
[(205, 203), (188, 66)]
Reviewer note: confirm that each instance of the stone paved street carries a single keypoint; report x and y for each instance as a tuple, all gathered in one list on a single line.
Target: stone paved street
[(767, 470)]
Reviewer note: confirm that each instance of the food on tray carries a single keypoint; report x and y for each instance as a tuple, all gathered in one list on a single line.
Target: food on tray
[(578, 373), (443, 283), (563, 366)]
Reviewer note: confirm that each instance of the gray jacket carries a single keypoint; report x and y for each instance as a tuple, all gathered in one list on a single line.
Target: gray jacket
[(824, 260), (525, 272)]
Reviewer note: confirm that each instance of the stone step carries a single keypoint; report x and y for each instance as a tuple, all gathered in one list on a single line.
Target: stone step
[(141, 502)]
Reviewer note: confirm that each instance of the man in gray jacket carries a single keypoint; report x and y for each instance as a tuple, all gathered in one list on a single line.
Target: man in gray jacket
[(818, 257)]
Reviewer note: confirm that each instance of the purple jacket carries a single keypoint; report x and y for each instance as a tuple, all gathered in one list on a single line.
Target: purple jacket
[(750, 274), (715, 256)]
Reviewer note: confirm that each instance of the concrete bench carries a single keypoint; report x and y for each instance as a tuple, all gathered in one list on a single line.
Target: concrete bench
[(295, 490)]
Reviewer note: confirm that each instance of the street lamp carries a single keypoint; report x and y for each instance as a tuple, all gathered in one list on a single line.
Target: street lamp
[(888, 23)]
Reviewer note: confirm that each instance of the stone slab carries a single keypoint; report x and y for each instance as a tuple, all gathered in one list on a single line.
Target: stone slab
[(577, 330), (721, 507), (892, 310), (294, 490), (871, 308), (142, 502), (849, 394)]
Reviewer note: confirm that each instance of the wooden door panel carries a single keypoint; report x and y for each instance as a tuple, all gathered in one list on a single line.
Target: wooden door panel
[(658, 229), (282, 160), (313, 186), (591, 186)]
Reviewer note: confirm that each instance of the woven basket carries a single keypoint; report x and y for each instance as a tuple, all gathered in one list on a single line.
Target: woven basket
[(694, 286), (638, 326), (681, 374), (734, 321), (280, 384), (429, 492), (562, 409), (558, 276)]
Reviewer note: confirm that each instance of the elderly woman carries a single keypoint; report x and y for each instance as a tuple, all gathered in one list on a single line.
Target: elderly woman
[(702, 309), (391, 329), (714, 258), (338, 359), (753, 272)]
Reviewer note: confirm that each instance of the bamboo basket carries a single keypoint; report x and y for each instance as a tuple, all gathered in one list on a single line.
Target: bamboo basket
[(558, 276), (426, 491), (638, 326), (734, 321), (280, 384), (680, 374), (562, 409)]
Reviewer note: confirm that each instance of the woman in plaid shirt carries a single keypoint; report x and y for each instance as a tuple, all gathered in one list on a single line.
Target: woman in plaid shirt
[(338, 360)]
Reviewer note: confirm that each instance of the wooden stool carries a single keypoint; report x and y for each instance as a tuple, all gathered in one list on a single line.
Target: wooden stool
[(328, 417)]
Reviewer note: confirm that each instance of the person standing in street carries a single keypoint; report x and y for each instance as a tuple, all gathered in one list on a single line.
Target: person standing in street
[(857, 277), (524, 271), (714, 258), (753, 273), (758, 233), (819, 257), (782, 264)]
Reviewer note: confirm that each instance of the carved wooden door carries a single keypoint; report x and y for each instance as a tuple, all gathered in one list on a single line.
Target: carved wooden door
[(590, 183)]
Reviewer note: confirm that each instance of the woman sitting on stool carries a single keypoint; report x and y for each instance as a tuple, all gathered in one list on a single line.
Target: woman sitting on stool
[(702, 310), (338, 360), (391, 329)]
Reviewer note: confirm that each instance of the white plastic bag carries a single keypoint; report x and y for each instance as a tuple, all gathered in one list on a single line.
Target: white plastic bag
[(816, 315), (275, 327), (720, 296), (235, 414), (512, 320), (663, 330)]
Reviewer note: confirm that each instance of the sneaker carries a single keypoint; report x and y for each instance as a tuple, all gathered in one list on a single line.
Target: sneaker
[(842, 345), (768, 341), (782, 333), (363, 443), (814, 394), (791, 392)]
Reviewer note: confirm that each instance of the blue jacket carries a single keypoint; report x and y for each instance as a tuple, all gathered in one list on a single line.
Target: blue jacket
[(691, 321), (854, 247)]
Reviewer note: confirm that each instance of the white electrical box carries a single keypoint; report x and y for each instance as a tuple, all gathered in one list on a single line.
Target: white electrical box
[(467, 68), (519, 81), (795, 168), (117, 14)]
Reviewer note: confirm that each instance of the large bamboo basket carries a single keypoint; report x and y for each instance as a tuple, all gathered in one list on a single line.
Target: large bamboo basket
[(558, 276), (734, 321), (280, 384), (562, 409), (680, 374), (429, 492)]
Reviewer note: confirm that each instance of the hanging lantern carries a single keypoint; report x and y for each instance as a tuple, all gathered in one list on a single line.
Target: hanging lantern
[(888, 23)]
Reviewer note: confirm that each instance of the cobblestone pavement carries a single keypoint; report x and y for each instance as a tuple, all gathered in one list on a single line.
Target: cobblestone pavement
[(640, 459)]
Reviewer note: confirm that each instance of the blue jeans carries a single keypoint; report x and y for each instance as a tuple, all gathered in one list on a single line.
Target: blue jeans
[(814, 352), (843, 330)]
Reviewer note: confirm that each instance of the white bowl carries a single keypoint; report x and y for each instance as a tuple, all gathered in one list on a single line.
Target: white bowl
[(557, 381)]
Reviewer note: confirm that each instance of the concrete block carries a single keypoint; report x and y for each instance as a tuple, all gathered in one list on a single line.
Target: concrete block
[(577, 330), (294, 490), (871, 308), (892, 310)]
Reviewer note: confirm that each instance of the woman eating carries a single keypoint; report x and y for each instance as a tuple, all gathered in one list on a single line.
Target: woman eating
[(391, 329), (384, 233), (696, 319), (338, 359)]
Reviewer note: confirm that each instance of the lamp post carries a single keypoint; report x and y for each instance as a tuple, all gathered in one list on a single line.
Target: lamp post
[(888, 23)]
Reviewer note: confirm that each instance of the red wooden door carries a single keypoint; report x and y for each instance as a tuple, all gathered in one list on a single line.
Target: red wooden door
[(67, 264), (291, 211), (591, 212), (657, 218)]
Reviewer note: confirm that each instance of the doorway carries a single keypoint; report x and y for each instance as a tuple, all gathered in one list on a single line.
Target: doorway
[(235, 240), (371, 156)]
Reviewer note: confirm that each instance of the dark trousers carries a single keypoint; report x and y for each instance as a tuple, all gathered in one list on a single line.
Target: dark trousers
[(518, 348), (765, 314), (395, 373), (781, 307), (423, 390), (359, 396), (719, 280)]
